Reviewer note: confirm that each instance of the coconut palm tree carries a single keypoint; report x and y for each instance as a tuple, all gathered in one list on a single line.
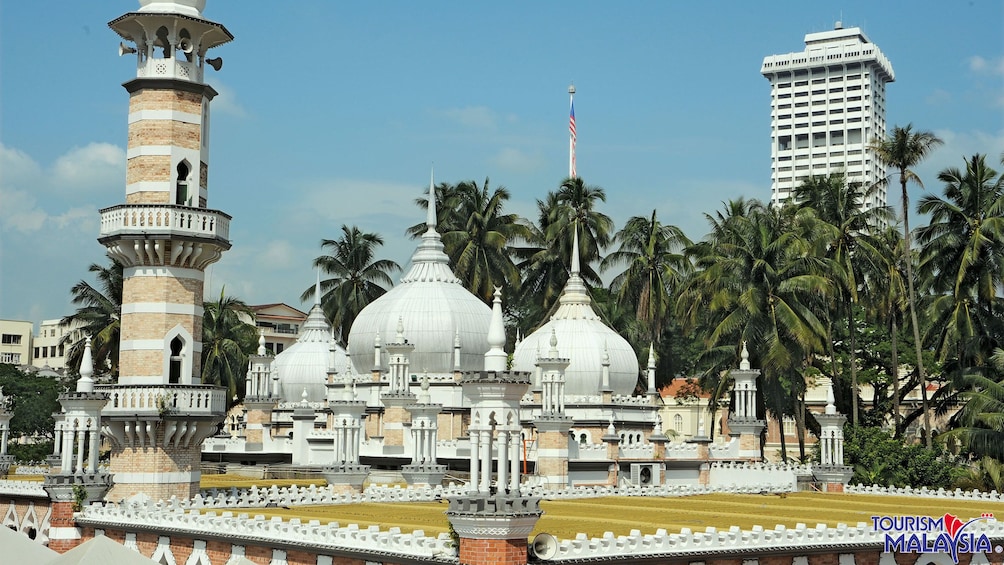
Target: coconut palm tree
[(478, 246), (545, 258), (758, 281), (99, 317), (902, 151), (358, 278), (655, 259), (229, 336), (844, 228)]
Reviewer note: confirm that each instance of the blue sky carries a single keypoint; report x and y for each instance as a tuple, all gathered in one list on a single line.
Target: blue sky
[(331, 113)]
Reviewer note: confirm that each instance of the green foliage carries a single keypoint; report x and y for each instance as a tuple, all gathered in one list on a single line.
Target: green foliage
[(30, 452), (357, 279), (33, 401), (227, 341), (878, 458), (79, 497), (99, 314)]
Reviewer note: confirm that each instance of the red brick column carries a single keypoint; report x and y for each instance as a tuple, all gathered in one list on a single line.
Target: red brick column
[(493, 551), (63, 532)]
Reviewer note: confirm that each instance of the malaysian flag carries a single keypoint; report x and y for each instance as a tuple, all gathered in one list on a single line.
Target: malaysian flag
[(571, 140)]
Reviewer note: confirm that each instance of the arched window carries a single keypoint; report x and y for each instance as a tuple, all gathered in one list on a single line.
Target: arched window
[(181, 196), (163, 43), (678, 423), (175, 364)]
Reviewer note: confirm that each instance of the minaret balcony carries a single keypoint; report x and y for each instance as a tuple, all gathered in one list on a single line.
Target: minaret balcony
[(164, 401), (169, 68), (164, 219), (164, 235)]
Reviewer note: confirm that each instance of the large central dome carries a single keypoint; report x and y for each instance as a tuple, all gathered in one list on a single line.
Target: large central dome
[(435, 309)]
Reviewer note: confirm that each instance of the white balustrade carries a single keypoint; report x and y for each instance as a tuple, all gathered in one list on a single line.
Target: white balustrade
[(165, 219)]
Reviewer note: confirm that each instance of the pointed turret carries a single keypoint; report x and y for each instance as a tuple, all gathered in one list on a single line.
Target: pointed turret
[(496, 357)]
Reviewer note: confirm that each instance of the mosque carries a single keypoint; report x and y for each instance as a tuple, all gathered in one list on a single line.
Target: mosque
[(425, 393)]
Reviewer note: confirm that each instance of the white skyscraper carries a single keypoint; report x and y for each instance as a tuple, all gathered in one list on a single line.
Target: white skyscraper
[(827, 105)]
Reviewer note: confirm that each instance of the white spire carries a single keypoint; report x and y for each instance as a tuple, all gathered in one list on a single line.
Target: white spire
[(85, 383), (317, 289), (261, 342), (424, 397), (430, 219), (495, 357), (744, 364), (831, 408), (553, 352), (651, 368), (575, 249), (400, 329), (429, 263)]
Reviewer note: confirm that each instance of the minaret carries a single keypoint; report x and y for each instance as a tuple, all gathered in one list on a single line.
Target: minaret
[(743, 421), (553, 423), (831, 472), (165, 237), (78, 481), (493, 519)]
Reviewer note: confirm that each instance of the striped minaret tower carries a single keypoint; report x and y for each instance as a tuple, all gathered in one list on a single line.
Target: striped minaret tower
[(165, 236)]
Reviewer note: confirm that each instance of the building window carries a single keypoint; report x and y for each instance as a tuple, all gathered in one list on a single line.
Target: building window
[(174, 369), (37, 354), (678, 423), (10, 339), (788, 425), (12, 358)]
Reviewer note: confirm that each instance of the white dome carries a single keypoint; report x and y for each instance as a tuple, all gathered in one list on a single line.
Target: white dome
[(305, 364), (582, 338), (435, 309)]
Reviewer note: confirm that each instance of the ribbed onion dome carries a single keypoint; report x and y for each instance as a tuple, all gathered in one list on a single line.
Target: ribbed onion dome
[(304, 365), (436, 311), (583, 338)]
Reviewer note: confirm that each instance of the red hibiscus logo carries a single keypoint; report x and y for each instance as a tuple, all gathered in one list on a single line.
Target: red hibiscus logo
[(952, 524)]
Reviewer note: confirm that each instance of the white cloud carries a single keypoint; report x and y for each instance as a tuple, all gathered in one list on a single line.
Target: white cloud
[(472, 116), (993, 66), (226, 101), (96, 165), (938, 97), (35, 198), (20, 211), (17, 168), (515, 160), (277, 255)]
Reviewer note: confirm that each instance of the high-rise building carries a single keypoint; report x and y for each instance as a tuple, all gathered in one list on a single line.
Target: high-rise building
[(827, 105)]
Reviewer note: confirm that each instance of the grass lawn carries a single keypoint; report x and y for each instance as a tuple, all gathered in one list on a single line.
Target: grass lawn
[(566, 518)]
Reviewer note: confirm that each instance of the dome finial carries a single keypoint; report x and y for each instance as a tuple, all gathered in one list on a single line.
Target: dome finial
[(575, 249), (400, 329), (317, 289), (430, 219), (261, 342), (744, 364), (553, 352)]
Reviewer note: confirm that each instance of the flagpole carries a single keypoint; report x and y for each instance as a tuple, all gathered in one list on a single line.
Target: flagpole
[(571, 131)]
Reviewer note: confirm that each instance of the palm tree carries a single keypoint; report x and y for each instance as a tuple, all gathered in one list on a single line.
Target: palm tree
[(655, 262), (545, 258), (844, 228), (757, 281), (885, 284), (229, 336), (478, 246), (903, 150), (358, 278), (99, 317)]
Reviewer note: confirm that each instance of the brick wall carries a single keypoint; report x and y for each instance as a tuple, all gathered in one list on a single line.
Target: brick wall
[(493, 551)]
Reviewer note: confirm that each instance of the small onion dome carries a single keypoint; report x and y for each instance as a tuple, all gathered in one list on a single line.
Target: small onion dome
[(436, 311), (304, 365), (583, 338)]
